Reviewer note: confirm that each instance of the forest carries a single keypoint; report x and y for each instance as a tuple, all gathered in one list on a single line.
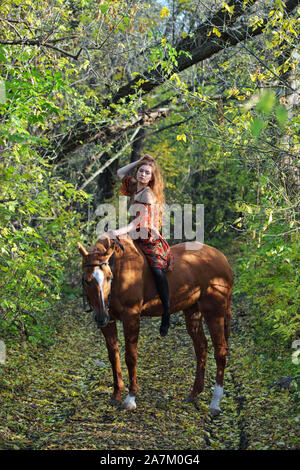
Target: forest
[(211, 91)]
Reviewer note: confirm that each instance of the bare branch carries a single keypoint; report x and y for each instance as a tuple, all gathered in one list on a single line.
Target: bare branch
[(109, 162)]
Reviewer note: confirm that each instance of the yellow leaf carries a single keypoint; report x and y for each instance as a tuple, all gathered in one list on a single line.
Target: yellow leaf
[(270, 217), (217, 32), (165, 12), (177, 78), (181, 137), (227, 7)]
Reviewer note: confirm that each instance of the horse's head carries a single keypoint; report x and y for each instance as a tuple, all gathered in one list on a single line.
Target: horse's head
[(97, 276)]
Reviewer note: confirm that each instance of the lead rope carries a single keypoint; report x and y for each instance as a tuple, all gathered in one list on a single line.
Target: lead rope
[(109, 295)]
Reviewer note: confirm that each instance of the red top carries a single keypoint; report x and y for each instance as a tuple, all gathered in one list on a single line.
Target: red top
[(128, 188), (155, 248)]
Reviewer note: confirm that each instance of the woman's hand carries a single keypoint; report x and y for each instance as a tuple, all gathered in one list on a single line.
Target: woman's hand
[(112, 233), (146, 157)]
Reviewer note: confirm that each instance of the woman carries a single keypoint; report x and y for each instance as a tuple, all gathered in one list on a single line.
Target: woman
[(146, 195)]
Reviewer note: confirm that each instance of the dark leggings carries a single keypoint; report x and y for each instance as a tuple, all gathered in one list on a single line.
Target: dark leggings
[(162, 287)]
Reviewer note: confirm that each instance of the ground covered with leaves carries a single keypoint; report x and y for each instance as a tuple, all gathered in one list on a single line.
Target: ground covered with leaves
[(58, 397)]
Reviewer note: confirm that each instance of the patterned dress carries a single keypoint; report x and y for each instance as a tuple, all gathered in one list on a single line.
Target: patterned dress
[(156, 249)]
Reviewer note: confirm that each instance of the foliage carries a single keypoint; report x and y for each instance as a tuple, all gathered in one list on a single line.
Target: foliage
[(274, 294), (37, 240), (38, 226)]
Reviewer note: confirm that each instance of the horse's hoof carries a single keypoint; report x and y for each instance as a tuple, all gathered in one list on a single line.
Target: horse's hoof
[(115, 402), (189, 400), (129, 403), (129, 407), (214, 412), (193, 401), (163, 330)]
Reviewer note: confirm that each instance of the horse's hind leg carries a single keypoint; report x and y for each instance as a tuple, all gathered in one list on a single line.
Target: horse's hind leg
[(193, 321), (216, 325)]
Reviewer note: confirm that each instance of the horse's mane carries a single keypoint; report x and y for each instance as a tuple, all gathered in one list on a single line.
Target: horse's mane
[(102, 245)]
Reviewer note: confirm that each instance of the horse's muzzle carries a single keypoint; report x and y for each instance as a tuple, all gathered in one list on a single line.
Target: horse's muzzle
[(102, 322)]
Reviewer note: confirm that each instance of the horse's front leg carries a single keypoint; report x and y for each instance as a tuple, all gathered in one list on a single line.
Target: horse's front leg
[(131, 325), (111, 337)]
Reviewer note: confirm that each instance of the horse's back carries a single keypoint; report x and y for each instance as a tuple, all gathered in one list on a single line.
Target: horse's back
[(194, 263), (196, 267), (195, 260)]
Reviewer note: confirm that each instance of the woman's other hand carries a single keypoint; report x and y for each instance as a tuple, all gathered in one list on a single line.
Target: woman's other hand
[(146, 157)]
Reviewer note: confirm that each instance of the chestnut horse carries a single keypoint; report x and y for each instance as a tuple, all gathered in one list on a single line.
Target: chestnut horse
[(117, 277)]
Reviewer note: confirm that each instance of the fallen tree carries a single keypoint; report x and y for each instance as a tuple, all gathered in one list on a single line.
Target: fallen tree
[(220, 31)]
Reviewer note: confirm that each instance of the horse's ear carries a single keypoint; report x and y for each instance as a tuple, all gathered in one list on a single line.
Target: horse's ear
[(105, 241), (82, 250), (110, 251)]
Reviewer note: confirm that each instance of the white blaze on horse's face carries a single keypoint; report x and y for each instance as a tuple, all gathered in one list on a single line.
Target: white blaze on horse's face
[(99, 276)]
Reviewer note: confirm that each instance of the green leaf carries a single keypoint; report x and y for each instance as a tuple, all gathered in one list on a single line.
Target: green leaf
[(266, 102), (281, 114), (104, 8), (256, 127)]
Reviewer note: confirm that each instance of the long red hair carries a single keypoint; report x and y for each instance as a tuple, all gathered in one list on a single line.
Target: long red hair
[(157, 186)]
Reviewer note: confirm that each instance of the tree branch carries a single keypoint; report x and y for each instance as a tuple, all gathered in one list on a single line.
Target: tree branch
[(98, 172), (43, 43), (82, 135), (199, 47)]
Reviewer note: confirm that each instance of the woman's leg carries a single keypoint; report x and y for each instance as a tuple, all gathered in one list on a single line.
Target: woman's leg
[(162, 286)]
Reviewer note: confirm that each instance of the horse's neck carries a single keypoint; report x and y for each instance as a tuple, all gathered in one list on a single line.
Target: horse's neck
[(131, 251)]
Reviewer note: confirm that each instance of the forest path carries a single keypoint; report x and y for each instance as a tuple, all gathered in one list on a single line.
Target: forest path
[(58, 398)]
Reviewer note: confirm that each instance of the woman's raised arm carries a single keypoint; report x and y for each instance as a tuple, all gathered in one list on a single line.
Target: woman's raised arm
[(121, 172)]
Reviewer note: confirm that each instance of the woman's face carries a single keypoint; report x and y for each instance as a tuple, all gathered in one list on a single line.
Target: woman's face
[(144, 174)]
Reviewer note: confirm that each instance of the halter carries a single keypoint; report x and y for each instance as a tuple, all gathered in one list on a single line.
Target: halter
[(99, 264), (82, 283)]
